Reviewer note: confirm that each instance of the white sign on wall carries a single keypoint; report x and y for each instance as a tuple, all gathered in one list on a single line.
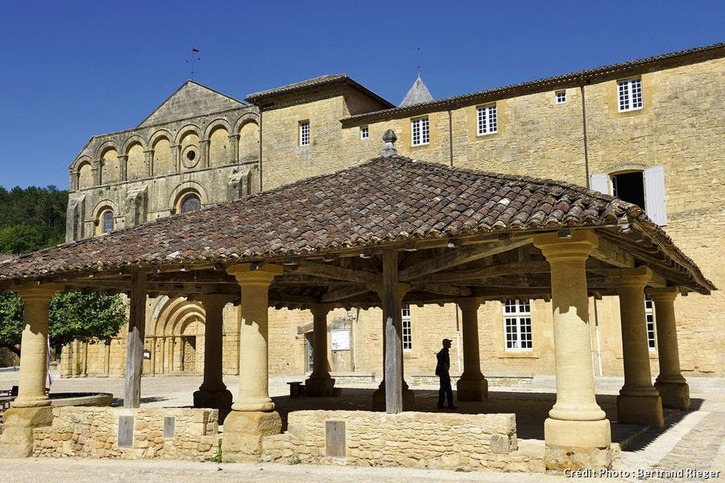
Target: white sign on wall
[(340, 340)]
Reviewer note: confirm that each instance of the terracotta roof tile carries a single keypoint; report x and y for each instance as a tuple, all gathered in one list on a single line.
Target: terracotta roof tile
[(384, 200)]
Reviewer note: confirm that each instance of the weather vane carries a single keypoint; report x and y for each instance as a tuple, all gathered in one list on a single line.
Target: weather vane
[(192, 58)]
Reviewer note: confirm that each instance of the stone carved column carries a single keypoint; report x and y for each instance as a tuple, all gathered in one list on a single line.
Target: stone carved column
[(471, 386), (123, 167), (176, 158), (149, 161), (252, 415), (319, 383), (213, 393), (577, 433), (672, 386), (32, 408), (234, 148), (638, 401), (204, 148)]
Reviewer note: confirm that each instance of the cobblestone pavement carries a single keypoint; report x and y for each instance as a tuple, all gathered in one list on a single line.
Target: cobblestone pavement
[(693, 441)]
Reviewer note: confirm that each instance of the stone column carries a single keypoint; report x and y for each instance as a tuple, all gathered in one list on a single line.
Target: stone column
[(149, 161), (638, 401), (577, 434), (176, 157), (123, 167), (471, 386), (204, 148), (32, 408), (253, 415), (673, 389), (320, 383), (96, 172), (213, 393), (234, 148)]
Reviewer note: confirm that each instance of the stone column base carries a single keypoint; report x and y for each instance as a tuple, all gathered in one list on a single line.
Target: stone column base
[(379, 400), (16, 440), (640, 410), (320, 387), (472, 389), (243, 433), (220, 399), (577, 445), (675, 395)]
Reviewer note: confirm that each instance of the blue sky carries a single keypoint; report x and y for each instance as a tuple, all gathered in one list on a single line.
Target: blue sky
[(70, 69)]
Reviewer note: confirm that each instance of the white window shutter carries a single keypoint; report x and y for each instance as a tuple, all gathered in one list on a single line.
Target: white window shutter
[(599, 182), (654, 192)]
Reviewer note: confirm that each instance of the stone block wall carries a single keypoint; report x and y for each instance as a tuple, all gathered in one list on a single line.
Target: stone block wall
[(411, 439), (93, 432)]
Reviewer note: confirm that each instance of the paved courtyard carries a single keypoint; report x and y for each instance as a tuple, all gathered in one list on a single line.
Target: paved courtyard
[(692, 442)]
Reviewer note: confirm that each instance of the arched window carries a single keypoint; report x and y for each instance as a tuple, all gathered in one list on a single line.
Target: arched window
[(190, 202), (106, 221)]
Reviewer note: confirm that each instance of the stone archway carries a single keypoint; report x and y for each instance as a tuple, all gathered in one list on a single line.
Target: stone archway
[(178, 331)]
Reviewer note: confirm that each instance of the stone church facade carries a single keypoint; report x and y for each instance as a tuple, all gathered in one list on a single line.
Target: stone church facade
[(648, 131)]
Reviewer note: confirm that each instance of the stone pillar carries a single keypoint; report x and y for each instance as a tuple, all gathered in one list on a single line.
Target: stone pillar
[(234, 148), (471, 386), (213, 393), (204, 148), (96, 172), (253, 415), (577, 434), (638, 401), (123, 166), (32, 408), (673, 389), (176, 157), (149, 161), (320, 383)]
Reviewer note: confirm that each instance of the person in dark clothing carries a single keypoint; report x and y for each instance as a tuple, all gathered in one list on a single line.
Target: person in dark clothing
[(442, 371)]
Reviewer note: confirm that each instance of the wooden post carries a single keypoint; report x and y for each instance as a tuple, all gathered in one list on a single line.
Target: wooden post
[(134, 348), (393, 329)]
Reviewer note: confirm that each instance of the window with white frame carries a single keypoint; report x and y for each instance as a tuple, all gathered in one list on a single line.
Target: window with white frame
[(407, 332), (487, 121), (421, 131), (650, 317), (517, 325), (630, 95), (304, 133), (364, 132), (560, 97)]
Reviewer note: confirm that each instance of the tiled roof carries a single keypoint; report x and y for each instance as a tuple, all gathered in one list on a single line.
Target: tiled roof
[(383, 201), (559, 81), (303, 86)]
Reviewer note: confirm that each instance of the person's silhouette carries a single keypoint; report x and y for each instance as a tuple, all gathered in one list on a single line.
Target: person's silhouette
[(442, 371)]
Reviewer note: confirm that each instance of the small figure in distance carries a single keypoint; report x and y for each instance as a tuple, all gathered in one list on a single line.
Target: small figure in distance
[(442, 371)]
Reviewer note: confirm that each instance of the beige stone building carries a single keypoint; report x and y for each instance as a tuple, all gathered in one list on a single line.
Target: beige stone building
[(649, 131)]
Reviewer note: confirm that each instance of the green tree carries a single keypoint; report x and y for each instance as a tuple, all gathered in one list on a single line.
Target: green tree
[(73, 316), (31, 219), (85, 317), (11, 321)]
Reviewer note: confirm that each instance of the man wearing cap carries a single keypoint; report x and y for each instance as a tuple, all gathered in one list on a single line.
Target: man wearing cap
[(442, 371)]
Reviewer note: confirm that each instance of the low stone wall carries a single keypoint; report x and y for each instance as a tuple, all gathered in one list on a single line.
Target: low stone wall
[(409, 439), (105, 432)]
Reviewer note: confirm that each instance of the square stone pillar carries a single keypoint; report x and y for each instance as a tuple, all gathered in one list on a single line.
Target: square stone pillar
[(253, 415), (577, 434), (638, 401), (213, 393), (471, 386), (32, 408), (319, 383), (673, 389)]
